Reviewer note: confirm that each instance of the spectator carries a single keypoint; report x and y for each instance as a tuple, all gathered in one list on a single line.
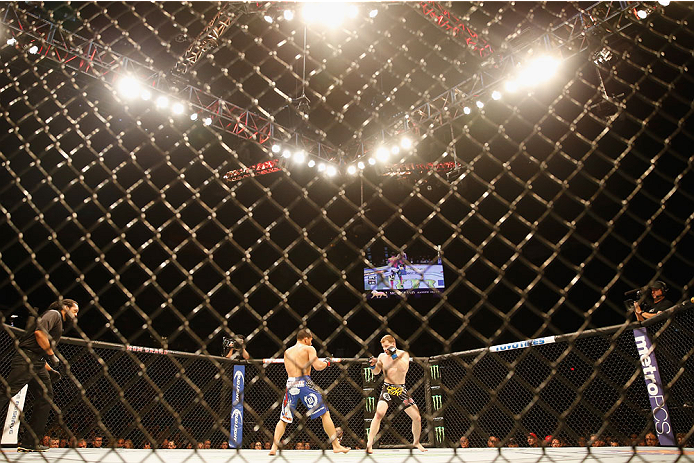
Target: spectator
[(464, 443), (307, 446), (493, 442), (652, 440), (200, 446), (512, 443), (258, 445), (582, 442), (299, 446), (656, 303), (64, 443), (557, 442), (55, 443), (596, 441), (97, 442), (547, 441), (120, 443), (224, 445), (267, 445), (533, 441), (128, 444), (208, 444), (147, 445), (172, 444), (82, 444), (46, 441)]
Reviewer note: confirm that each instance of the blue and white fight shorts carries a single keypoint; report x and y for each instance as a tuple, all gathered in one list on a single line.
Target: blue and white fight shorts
[(302, 388)]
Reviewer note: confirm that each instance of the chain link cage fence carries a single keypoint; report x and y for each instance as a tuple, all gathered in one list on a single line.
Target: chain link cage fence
[(487, 182)]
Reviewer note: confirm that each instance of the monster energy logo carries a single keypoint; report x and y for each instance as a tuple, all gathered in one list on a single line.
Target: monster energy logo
[(434, 369), (368, 375), (440, 433), (370, 402), (367, 432), (437, 401)]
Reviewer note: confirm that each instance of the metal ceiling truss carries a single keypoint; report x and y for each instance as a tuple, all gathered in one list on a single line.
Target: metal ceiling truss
[(456, 27)]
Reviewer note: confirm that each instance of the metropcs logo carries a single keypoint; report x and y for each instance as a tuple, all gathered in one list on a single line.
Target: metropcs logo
[(660, 413), (238, 386), (237, 420)]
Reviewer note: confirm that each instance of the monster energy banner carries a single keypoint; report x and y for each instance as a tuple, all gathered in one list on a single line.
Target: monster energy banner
[(236, 423), (369, 399), (649, 365), (436, 398)]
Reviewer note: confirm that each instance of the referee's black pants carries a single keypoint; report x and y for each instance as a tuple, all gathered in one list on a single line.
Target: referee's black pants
[(33, 373)]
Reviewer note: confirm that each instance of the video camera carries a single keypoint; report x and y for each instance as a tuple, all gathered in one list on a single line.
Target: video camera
[(234, 342)]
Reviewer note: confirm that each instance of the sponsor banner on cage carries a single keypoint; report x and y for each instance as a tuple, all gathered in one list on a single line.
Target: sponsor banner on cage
[(654, 386), (522, 344), (236, 422), (10, 431)]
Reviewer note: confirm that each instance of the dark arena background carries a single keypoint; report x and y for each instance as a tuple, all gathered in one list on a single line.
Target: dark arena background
[(490, 183)]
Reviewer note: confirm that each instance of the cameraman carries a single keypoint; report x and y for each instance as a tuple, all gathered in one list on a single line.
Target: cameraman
[(237, 348), (654, 304)]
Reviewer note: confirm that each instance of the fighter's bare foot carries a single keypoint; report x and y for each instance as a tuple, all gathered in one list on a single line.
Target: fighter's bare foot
[(369, 450), (341, 449), (420, 447), (273, 452)]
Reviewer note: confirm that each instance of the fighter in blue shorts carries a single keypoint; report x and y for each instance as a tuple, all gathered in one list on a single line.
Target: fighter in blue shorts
[(302, 388), (298, 361)]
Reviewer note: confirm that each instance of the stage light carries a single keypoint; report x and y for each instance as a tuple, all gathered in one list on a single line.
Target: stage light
[(537, 71), (276, 148), (145, 95), (496, 95), (162, 102), (395, 150), (664, 2), (207, 121), (309, 12), (11, 41), (331, 171), (642, 14), (511, 86), (311, 163), (128, 87), (299, 157), (479, 104), (268, 19), (372, 161), (286, 154), (288, 15), (382, 154), (467, 110), (321, 167), (406, 143), (361, 165), (373, 13), (351, 170), (194, 117), (177, 108), (352, 11), (33, 49)]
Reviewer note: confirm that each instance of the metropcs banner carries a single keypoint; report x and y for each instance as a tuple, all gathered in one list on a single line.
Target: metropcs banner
[(651, 374), (236, 422), (11, 429)]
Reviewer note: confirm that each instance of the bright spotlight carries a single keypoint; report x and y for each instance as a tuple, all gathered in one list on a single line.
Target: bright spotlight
[(373, 13), (11, 41), (539, 70), (445, 153), (372, 161), (177, 108), (511, 86), (406, 143), (276, 148), (128, 87), (351, 170), (268, 19), (309, 12), (642, 14), (286, 154), (382, 154), (361, 165), (194, 117), (331, 171), (496, 95), (311, 163), (352, 11), (288, 15), (299, 157), (321, 167), (145, 95), (479, 104), (33, 49), (664, 2), (395, 150), (162, 102), (207, 121), (467, 110)]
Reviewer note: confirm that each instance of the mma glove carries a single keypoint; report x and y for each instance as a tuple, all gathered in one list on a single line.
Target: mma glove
[(393, 352), (328, 360)]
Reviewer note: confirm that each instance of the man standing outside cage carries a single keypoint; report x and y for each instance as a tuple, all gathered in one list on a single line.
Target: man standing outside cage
[(394, 363), (29, 367), (298, 361)]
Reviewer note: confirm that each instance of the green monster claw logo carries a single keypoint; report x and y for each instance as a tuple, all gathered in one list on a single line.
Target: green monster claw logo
[(434, 369), (440, 433), (368, 375), (437, 401), (370, 402)]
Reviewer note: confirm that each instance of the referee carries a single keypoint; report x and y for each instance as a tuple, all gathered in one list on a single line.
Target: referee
[(29, 367)]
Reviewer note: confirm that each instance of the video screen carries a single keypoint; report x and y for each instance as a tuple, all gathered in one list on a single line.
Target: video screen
[(401, 275)]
